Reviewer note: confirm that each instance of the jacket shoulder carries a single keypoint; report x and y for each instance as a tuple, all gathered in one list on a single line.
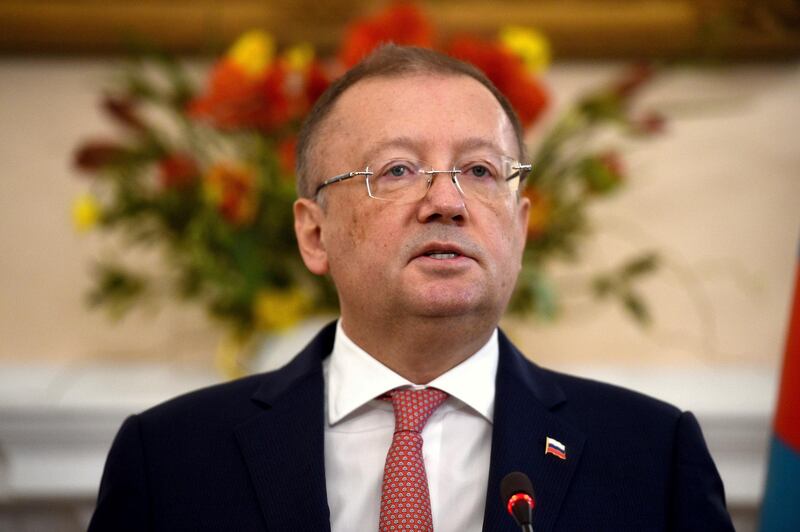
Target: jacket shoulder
[(602, 406), (585, 389), (226, 405), (226, 401)]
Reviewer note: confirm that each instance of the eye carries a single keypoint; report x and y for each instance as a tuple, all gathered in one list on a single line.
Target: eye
[(479, 170), (397, 170)]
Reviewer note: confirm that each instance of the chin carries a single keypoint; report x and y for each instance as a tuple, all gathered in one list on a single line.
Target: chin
[(449, 303)]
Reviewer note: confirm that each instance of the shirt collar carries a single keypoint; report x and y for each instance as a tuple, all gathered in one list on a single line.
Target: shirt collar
[(354, 378)]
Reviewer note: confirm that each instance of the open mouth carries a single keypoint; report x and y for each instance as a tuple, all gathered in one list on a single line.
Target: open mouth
[(442, 255), (450, 253)]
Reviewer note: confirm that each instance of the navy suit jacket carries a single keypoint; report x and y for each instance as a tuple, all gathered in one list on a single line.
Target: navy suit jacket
[(248, 456)]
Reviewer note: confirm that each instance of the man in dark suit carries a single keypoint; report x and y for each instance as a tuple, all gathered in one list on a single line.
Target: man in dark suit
[(408, 411)]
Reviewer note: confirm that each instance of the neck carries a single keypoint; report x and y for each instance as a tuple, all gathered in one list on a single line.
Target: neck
[(422, 351)]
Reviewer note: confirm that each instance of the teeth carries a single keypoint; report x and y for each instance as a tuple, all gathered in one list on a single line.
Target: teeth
[(442, 255)]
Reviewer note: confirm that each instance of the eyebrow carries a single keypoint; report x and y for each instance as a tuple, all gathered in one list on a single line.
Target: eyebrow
[(396, 142), (468, 144), (473, 143)]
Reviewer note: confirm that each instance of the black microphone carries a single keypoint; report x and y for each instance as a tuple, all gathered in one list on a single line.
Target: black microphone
[(516, 492)]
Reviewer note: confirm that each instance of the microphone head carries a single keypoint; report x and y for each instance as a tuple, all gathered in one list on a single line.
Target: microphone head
[(516, 492), (513, 483)]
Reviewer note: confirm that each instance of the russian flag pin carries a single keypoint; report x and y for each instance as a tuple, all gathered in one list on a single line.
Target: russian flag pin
[(555, 447)]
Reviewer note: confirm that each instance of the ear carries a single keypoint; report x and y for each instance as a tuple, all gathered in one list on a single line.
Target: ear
[(308, 217)]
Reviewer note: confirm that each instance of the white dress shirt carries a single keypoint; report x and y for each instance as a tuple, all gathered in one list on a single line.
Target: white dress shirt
[(359, 428)]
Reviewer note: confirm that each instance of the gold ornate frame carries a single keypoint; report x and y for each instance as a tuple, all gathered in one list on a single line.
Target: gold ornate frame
[(746, 29)]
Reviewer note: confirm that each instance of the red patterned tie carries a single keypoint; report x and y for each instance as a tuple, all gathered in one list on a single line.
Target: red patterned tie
[(405, 501)]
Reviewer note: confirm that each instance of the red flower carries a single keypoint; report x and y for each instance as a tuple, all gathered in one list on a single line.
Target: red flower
[(233, 99), (401, 24), (316, 81), (613, 162), (651, 123), (93, 156), (632, 80), (287, 155), (123, 110), (507, 72), (178, 170), (268, 102), (275, 107)]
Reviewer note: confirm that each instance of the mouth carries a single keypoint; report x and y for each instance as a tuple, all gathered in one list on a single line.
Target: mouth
[(441, 251), (442, 255)]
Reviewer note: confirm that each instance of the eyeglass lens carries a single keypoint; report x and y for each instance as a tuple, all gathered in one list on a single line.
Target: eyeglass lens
[(409, 180)]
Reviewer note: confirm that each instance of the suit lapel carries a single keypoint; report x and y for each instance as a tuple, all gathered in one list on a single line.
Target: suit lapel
[(525, 400), (283, 446)]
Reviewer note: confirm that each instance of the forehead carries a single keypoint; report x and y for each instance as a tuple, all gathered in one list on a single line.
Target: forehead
[(433, 115)]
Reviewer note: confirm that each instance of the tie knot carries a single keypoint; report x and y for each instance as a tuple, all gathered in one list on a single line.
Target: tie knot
[(412, 408)]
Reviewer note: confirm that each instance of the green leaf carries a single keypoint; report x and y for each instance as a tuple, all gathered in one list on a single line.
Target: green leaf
[(639, 266), (116, 289), (603, 286), (636, 307)]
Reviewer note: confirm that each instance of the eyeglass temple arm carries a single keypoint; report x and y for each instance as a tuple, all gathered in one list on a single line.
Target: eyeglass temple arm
[(340, 177), (520, 168)]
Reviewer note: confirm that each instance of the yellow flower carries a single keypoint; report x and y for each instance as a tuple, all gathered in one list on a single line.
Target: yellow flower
[(228, 359), (299, 56), (530, 45), (253, 52), (276, 310), (85, 212)]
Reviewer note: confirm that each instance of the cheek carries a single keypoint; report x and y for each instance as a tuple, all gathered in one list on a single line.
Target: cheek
[(502, 229), (377, 230), (506, 247), (356, 229), (368, 242)]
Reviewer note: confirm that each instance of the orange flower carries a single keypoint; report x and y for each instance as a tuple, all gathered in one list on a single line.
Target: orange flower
[(401, 23), (232, 189), (540, 211), (236, 99), (507, 72), (233, 98), (177, 170)]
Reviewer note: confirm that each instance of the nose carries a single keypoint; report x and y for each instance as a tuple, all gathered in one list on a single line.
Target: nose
[(444, 201)]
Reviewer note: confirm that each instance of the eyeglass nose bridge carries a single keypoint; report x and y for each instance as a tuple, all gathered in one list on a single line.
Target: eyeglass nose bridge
[(453, 177)]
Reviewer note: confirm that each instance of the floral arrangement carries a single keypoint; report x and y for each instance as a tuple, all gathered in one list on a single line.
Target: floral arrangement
[(205, 176)]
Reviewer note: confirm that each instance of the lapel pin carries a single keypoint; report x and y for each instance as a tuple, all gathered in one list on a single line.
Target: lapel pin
[(555, 447)]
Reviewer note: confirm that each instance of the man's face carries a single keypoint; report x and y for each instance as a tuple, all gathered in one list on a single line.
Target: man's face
[(442, 256)]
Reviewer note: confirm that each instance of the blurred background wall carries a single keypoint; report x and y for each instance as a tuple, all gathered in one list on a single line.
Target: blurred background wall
[(718, 195)]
